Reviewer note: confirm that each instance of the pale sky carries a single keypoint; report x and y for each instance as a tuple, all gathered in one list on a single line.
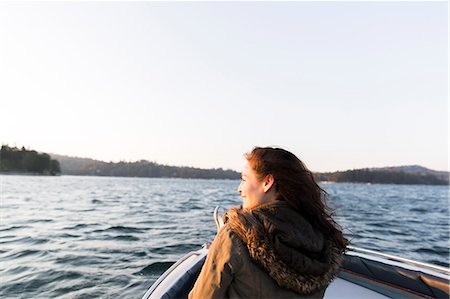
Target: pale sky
[(340, 84)]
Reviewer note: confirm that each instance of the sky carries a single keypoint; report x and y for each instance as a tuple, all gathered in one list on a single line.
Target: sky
[(342, 85)]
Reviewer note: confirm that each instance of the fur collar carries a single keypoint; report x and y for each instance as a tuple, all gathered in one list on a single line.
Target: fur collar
[(286, 246)]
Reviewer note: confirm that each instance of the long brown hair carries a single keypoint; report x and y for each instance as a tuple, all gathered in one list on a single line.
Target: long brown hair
[(295, 184)]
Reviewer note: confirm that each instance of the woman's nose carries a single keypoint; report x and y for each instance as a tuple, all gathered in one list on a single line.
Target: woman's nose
[(239, 189)]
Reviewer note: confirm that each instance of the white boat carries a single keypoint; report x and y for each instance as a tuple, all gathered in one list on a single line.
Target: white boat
[(364, 274)]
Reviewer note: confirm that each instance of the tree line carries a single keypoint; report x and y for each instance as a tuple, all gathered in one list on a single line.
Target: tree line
[(142, 168), (380, 177), (22, 160)]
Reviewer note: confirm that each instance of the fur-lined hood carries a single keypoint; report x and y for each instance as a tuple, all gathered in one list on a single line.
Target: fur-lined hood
[(286, 246)]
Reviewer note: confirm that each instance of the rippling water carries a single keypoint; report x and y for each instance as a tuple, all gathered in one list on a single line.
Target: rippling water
[(90, 237)]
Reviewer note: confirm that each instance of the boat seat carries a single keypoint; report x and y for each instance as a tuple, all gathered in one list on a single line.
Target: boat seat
[(391, 280)]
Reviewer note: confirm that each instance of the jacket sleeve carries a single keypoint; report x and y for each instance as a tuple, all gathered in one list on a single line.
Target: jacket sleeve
[(222, 262)]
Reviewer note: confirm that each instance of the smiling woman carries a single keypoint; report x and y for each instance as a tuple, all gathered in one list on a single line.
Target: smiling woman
[(282, 243), (255, 191)]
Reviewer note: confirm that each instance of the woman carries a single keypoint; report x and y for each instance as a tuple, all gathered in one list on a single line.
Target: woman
[(282, 243)]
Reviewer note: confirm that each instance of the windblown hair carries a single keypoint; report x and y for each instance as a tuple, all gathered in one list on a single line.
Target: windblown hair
[(295, 184)]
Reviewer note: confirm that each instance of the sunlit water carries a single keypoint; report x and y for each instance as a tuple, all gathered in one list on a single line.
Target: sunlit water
[(90, 237)]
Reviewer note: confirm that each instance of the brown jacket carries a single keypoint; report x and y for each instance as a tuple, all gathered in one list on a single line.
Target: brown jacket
[(270, 252)]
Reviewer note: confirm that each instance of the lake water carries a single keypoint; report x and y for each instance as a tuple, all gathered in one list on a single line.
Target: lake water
[(91, 237)]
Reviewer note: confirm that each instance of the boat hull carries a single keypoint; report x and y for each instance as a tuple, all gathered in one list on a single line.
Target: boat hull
[(362, 275)]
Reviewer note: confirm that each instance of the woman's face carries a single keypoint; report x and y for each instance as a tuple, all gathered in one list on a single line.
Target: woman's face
[(251, 189)]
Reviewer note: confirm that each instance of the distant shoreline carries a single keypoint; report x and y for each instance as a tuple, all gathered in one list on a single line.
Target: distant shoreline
[(27, 173), (15, 161), (109, 176)]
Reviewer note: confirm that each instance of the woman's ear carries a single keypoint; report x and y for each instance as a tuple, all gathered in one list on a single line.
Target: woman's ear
[(268, 182)]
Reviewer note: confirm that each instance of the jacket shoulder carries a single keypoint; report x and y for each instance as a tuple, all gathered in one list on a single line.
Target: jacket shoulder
[(222, 264), (228, 247)]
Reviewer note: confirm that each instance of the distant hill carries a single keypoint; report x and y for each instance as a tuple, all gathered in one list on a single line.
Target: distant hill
[(411, 174), (142, 168), (416, 169)]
